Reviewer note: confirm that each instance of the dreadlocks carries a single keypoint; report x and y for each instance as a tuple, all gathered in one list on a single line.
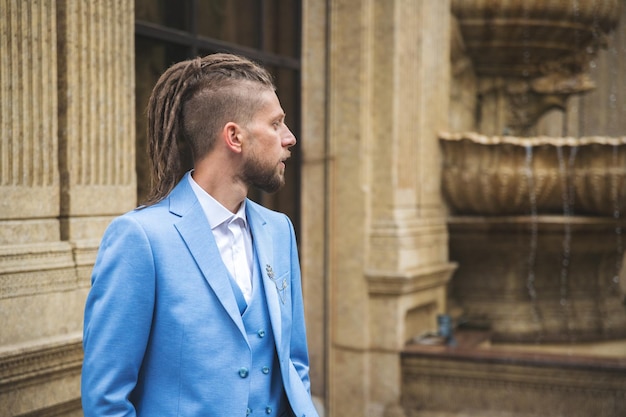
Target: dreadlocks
[(189, 105)]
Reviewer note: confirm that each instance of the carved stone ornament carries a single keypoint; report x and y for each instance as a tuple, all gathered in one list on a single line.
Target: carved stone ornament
[(531, 55)]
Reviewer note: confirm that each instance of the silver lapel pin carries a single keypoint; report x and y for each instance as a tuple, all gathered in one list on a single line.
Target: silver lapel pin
[(279, 288)]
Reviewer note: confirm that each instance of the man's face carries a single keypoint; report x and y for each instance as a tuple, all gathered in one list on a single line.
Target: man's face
[(267, 145)]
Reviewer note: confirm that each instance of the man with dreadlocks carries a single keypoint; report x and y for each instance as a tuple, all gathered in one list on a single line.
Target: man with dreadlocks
[(196, 304)]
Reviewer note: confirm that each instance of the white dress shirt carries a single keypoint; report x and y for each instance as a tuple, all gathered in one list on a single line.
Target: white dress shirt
[(232, 235)]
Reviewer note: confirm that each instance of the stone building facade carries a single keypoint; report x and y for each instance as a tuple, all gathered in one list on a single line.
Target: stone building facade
[(375, 91)]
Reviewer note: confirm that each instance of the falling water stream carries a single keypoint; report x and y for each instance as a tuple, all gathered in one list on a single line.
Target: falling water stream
[(532, 255), (567, 193), (613, 287), (617, 215)]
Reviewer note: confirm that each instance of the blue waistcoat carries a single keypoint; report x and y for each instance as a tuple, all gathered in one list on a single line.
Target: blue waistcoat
[(267, 396)]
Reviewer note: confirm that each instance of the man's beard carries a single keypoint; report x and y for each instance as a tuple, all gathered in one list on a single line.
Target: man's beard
[(261, 176)]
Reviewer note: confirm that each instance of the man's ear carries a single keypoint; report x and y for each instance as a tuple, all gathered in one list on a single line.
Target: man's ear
[(232, 135)]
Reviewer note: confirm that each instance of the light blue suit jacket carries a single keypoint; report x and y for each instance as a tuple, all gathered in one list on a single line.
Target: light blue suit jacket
[(163, 335)]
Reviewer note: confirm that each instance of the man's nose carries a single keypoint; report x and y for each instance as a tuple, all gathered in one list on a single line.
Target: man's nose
[(289, 139)]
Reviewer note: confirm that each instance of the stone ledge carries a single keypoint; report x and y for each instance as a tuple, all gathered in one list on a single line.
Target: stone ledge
[(400, 283), (39, 268), (35, 257), (468, 379), (66, 409), (33, 363)]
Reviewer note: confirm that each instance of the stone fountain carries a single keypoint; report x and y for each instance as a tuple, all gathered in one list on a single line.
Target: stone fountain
[(537, 233), (536, 224), (544, 215)]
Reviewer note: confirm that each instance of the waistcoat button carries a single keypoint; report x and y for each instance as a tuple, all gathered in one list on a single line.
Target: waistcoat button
[(265, 370), (243, 372), (268, 410), (261, 333)]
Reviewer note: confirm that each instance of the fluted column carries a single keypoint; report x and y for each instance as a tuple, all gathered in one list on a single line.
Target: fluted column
[(96, 121), (96, 116), (40, 299), (33, 260), (29, 180), (66, 168)]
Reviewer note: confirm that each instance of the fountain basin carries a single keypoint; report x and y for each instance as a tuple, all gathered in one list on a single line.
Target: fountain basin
[(536, 229), (505, 175), (539, 279)]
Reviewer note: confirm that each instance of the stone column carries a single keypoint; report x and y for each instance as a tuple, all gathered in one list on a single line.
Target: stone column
[(389, 89), (314, 196), (66, 123), (40, 299), (96, 120), (407, 264), (347, 167)]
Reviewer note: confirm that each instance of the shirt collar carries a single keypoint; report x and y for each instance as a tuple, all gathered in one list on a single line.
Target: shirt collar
[(215, 212)]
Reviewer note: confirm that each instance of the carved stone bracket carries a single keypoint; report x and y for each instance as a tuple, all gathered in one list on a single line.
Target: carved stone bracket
[(401, 283), (524, 101)]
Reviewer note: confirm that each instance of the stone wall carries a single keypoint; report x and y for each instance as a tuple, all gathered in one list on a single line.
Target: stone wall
[(374, 247)]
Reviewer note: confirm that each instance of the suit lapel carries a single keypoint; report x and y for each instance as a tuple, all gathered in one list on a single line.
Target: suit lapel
[(196, 232), (264, 249)]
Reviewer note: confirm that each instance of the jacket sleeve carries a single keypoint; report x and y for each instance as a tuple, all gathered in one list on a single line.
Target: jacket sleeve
[(118, 316)]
